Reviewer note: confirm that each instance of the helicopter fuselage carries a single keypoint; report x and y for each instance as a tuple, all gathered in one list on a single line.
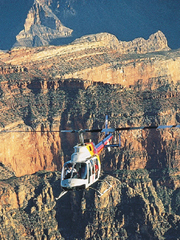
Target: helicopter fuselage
[(84, 167)]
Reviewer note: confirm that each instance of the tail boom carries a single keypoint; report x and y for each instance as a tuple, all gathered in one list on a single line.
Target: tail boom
[(100, 146)]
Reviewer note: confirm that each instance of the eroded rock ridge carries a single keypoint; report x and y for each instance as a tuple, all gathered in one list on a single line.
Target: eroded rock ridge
[(139, 205), (72, 87), (41, 27)]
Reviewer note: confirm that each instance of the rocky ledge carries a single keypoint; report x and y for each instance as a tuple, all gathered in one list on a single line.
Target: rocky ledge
[(41, 26), (74, 86), (139, 205)]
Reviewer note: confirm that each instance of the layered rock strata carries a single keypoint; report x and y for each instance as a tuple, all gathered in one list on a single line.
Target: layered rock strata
[(99, 58), (139, 205), (74, 86), (41, 26), (30, 112)]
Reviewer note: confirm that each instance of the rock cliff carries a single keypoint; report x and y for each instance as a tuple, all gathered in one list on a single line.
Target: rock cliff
[(39, 21), (72, 87), (41, 26), (52, 88), (156, 42), (27, 208), (139, 205), (100, 61)]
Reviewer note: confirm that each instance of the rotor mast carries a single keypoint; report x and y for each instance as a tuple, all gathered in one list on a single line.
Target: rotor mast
[(81, 137)]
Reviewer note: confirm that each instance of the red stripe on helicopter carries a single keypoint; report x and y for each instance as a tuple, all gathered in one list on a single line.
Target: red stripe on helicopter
[(99, 147)]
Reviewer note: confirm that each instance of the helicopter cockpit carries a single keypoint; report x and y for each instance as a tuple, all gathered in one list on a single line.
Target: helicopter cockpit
[(80, 174), (76, 170)]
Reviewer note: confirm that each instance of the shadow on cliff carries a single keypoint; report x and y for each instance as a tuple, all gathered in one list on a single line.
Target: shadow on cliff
[(73, 122), (175, 202), (35, 85), (155, 151), (74, 211), (78, 216)]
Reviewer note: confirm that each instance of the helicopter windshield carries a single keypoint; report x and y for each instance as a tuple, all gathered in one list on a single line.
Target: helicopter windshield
[(78, 170)]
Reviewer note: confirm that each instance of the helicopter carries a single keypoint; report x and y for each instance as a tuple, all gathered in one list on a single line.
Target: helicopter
[(84, 167)]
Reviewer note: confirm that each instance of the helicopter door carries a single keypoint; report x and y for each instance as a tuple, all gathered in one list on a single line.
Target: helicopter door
[(96, 168), (89, 173), (92, 170)]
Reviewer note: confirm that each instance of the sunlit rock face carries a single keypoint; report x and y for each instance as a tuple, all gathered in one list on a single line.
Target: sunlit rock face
[(138, 204), (155, 42), (41, 26), (46, 89), (124, 19), (74, 86)]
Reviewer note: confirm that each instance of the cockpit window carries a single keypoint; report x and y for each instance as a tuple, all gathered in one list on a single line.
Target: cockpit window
[(67, 170), (83, 170), (78, 170), (76, 149)]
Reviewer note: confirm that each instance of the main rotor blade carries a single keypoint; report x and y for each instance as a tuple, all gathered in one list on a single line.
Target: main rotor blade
[(93, 130), (97, 130), (68, 131), (147, 127), (81, 130)]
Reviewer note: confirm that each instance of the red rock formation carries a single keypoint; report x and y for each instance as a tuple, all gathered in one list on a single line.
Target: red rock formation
[(28, 153), (58, 86), (36, 201), (102, 58)]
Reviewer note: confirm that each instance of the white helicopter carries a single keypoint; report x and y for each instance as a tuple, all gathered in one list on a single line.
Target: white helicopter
[(84, 168)]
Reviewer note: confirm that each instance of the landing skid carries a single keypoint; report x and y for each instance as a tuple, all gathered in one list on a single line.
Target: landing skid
[(101, 194), (61, 194)]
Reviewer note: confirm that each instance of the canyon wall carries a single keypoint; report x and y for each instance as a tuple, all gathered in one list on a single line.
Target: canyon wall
[(41, 26), (46, 89), (60, 22), (139, 205), (74, 86), (34, 106), (101, 58)]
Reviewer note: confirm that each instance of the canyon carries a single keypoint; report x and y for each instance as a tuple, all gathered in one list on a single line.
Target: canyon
[(74, 86), (49, 88)]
